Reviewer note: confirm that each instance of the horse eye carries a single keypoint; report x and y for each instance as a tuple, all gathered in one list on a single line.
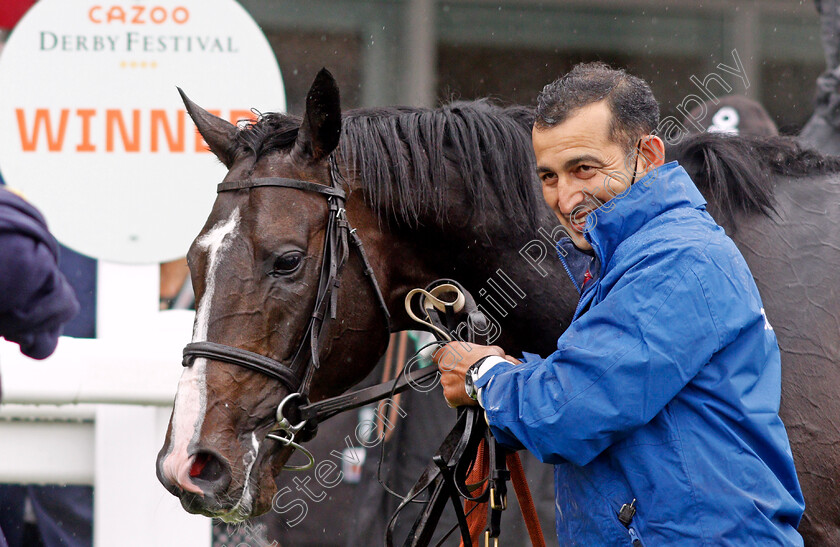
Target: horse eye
[(287, 264)]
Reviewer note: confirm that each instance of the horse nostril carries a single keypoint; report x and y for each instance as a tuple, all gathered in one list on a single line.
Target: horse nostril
[(209, 472), (199, 463)]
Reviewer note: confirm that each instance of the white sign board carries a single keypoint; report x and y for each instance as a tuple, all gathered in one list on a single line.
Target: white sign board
[(93, 131)]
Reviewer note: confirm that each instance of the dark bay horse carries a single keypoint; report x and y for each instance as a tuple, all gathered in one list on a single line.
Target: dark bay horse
[(452, 193)]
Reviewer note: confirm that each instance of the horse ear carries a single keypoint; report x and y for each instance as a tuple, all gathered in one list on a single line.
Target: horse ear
[(321, 127), (219, 134)]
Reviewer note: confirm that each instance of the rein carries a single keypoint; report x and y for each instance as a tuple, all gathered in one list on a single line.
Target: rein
[(469, 465)]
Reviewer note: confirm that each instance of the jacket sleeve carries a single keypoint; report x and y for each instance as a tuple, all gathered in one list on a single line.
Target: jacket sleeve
[(37, 300), (615, 367)]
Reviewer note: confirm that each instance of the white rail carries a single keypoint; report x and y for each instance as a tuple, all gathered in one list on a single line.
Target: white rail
[(138, 368), (96, 413)]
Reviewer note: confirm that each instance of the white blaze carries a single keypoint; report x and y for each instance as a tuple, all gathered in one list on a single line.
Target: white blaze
[(191, 398), (242, 509)]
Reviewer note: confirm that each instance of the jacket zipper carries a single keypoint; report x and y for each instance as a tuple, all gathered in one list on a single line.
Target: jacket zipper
[(569, 272), (580, 290), (634, 538), (580, 302), (625, 517)]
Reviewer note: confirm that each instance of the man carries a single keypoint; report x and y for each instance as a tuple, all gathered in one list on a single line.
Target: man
[(659, 408)]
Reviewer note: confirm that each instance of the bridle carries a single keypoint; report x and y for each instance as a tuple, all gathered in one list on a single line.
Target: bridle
[(297, 376), (445, 477)]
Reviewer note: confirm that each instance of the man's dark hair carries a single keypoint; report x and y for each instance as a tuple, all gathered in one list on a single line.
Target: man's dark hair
[(635, 111)]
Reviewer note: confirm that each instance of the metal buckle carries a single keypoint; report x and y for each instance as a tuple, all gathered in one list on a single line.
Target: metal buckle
[(286, 433), (502, 505), (282, 422), (286, 441), (487, 539)]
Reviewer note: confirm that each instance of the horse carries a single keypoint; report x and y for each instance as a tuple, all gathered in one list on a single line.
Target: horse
[(449, 193)]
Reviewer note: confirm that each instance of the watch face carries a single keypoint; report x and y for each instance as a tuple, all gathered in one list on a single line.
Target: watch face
[(469, 384)]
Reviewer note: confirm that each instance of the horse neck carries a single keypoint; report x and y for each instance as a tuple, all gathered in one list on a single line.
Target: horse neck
[(532, 301)]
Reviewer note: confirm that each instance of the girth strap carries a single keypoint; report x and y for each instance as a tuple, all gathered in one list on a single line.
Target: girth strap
[(243, 358)]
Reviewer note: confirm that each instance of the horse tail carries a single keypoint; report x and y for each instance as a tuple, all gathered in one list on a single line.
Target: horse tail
[(737, 172)]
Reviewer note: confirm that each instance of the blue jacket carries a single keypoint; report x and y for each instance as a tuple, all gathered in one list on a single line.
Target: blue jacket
[(664, 389)]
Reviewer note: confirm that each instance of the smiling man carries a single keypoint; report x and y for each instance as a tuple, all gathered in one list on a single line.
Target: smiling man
[(660, 406)]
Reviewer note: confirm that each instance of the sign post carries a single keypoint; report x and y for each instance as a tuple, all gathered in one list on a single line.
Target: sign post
[(93, 132)]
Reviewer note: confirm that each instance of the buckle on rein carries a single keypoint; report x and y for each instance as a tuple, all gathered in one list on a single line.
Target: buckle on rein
[(285, 434), (498, 503)]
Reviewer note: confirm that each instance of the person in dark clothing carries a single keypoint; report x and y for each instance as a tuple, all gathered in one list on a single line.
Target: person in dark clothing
[(63, 515), (35, 298)]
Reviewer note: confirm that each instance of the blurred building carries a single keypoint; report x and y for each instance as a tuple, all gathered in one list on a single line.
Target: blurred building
[(424, 52), (428, 51)]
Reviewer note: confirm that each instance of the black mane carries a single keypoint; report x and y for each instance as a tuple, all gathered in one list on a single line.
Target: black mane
[(402, 158)]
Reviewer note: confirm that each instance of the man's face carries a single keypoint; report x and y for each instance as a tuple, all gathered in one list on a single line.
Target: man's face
[(580, 167)]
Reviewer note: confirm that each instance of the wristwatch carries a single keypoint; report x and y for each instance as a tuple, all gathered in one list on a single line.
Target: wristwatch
[(471, 377)]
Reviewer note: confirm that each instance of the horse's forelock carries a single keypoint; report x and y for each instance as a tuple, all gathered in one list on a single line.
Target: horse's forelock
[(269, 133)]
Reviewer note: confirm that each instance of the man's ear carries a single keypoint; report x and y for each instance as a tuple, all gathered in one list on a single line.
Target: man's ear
[(652, 151)]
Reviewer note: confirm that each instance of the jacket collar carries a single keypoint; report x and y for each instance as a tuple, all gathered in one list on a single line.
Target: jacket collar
[(666, 187)]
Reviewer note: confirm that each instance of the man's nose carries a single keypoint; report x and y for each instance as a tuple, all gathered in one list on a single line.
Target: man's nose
[(568, 197)]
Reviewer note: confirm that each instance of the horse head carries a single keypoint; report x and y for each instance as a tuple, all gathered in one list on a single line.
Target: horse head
[(260, 267)]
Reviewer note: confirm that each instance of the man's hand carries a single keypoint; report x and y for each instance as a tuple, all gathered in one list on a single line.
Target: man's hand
[(453, 360)]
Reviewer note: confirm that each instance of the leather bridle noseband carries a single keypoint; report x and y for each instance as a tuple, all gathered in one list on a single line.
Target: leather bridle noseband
[(296, 377)]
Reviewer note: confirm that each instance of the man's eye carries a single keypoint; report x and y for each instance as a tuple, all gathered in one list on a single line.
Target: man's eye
[(548, 178), (585, 171), (286, 264)]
